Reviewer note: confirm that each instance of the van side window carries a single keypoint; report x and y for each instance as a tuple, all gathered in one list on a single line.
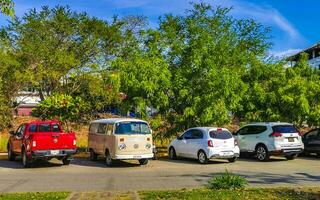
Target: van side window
[(110, 129), (33, 128), (102, 128), (93, 128)]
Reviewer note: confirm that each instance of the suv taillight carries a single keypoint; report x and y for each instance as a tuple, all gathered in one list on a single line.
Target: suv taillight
[(275, 134), (210, 144)]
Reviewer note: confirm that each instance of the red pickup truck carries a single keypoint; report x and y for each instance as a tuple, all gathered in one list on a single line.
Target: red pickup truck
[(41, 140)]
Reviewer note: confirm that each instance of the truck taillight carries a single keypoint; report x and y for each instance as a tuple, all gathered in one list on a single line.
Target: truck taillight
[(74, 142), (275, 134), (34, 143), (210, 144)]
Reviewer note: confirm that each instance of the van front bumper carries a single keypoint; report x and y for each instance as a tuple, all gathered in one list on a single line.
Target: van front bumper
[(133, 157)]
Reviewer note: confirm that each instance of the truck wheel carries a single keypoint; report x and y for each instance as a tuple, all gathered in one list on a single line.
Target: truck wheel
[(143, 161), (93, 155), (25, 160), (291, 157), (232, 159), (202, 157), (172, 153), (11, 155), (262, 153), (65, 161), (109, 160)]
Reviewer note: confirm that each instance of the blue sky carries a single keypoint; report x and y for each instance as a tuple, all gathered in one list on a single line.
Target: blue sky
[(295, 24)]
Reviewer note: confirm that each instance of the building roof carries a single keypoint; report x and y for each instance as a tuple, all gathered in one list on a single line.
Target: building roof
[(308, 50), (116, 120)]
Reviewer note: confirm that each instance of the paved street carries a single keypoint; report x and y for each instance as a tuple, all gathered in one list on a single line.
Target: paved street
[(84, 175)]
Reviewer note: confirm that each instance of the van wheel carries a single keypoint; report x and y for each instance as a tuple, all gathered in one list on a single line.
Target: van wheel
[(25, 160), (232, 159), (202, 157), (143, 161), (109, 160), (291, 157), (93, 155), (11, 155), (262, 153), (172, 153), (65, 161)]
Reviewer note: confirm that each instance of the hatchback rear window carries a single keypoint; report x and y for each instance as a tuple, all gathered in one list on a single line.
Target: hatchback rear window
[(220, 135), (284, 129)]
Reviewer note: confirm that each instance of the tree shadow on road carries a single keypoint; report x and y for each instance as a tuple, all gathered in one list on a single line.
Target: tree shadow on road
[(17, 164), (101, 163)]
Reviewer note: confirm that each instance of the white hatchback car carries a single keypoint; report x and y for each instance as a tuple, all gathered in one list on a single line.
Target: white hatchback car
[(270, 138), (204, 143)]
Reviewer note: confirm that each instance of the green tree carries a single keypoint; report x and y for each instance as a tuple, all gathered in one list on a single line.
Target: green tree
[(208, 51), (7, 7)]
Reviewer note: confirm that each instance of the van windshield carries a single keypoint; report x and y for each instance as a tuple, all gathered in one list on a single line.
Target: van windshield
[(132, 128)]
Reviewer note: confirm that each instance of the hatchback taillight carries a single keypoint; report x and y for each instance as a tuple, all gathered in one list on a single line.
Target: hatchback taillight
[(235, 142), (275, 134), (210, 144)]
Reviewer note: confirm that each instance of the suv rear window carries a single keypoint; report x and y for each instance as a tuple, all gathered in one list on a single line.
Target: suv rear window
[(284, 129), (220, 135)]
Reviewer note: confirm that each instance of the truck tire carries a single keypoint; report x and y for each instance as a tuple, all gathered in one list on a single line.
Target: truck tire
[(25, 160), (262, 153), (93, 155), (143, 161), (11, 155), (66, 161)]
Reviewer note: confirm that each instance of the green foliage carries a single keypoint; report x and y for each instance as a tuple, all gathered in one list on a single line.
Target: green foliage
[(7, 7), (228, 181), (207, 194), (35, 196), (60, 106)]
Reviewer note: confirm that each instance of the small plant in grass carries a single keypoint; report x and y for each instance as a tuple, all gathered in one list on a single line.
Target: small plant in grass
[(227, 180)]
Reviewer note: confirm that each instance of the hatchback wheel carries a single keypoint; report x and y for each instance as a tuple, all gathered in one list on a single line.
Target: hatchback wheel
[(291, 157), (202, 157), (172, 153), (109, 160), (93, 155), (262, 153)]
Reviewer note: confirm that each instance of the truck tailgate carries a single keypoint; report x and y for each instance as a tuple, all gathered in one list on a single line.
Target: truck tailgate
[(54, 140)]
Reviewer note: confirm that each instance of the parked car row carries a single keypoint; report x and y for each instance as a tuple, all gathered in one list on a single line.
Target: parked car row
[(131, 139)]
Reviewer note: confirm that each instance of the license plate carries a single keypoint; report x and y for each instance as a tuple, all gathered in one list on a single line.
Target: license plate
[(291, 139), (136, 157), (54, 152), (227, 153)]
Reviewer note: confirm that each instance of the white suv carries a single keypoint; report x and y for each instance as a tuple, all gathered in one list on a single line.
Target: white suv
[(270, 138), (204, 143)]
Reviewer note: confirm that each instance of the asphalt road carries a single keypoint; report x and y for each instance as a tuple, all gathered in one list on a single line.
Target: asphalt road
[(84, 175)]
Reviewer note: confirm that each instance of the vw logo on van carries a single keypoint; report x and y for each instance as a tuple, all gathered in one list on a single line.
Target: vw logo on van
[(135, 146)]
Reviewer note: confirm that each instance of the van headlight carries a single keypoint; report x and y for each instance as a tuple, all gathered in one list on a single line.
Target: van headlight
[(122, 146), (148, 146)]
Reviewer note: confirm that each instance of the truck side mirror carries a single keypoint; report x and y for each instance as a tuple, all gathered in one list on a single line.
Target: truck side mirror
[(179, 138), (11, 133)]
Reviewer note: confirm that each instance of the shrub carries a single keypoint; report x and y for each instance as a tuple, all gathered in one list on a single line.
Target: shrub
[(227, 180)]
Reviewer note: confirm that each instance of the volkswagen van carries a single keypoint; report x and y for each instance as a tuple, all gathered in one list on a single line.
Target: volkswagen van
[(120, 139)]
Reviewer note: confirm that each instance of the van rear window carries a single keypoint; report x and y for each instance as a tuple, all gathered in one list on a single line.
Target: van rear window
[(284, 129), (132, 128), (222, 135)]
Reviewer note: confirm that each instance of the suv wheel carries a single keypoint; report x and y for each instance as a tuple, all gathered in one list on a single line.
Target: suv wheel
[(25, 160), (202, 157), (143, 161), (291, 157), (93, 155), (172, 153), (109, 160), (262, 153), (11, 155)]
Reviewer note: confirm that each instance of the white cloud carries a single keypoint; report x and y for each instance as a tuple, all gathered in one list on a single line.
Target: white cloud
[(285, 53)]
